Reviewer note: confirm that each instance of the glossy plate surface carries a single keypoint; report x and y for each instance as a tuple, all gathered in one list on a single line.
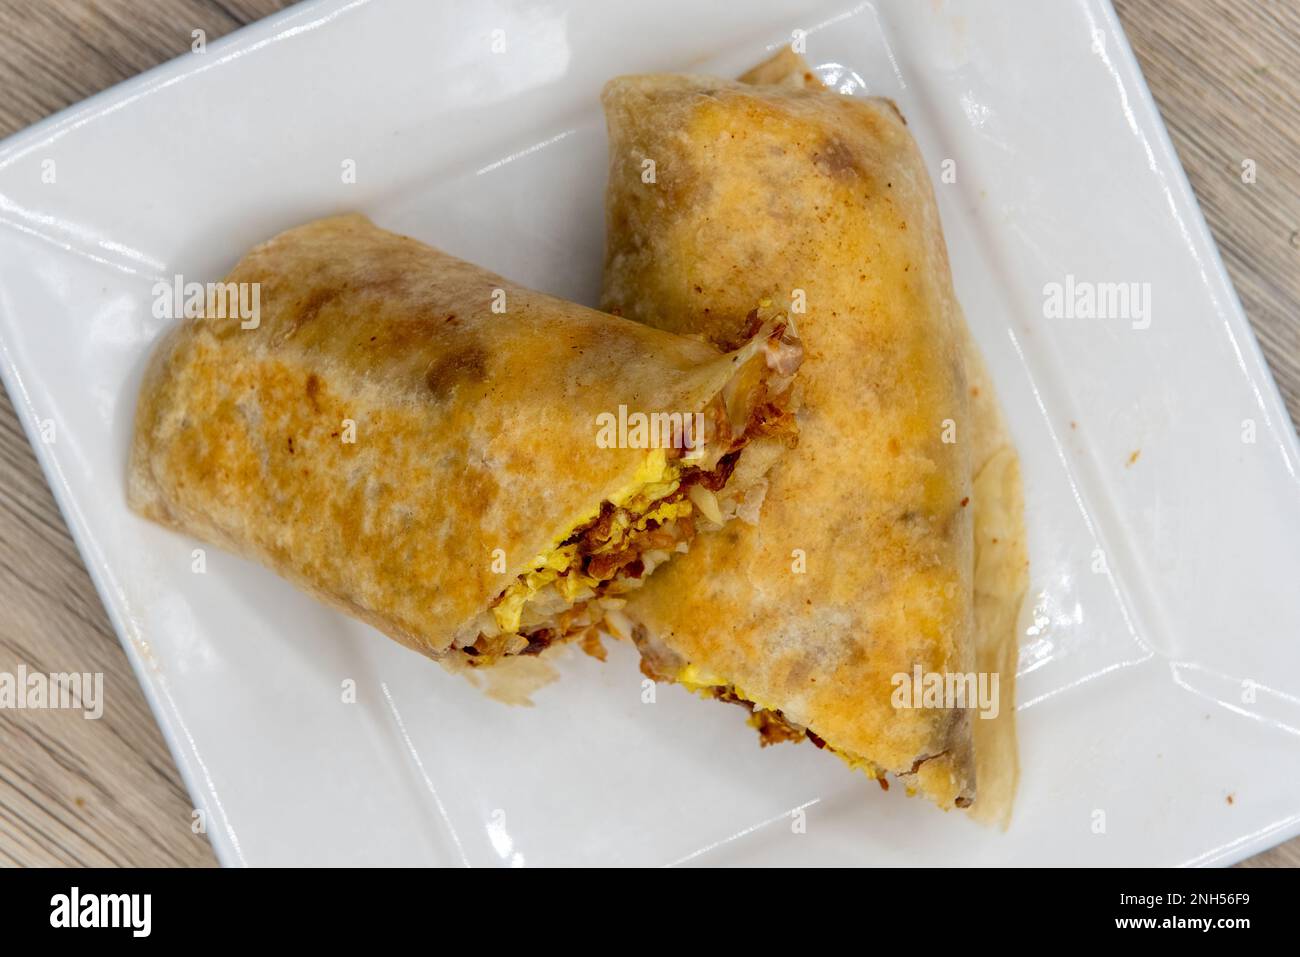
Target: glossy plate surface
[(1160, 672)]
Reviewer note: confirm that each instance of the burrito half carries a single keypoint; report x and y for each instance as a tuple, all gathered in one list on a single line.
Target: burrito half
[(860, 576), (476, 469)]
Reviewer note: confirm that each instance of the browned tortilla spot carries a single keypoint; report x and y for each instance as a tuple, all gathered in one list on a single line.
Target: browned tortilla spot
[(834, 158), (466, 365), (313, 392)]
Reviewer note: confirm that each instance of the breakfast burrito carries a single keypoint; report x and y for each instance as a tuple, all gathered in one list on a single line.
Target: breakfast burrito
[(857, 612), (476, 469)]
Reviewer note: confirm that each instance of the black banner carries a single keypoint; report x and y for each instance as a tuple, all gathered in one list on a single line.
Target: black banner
[(334, 906)]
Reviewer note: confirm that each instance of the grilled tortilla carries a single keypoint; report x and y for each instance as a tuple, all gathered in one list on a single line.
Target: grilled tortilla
[(437, 451), (862, 565)]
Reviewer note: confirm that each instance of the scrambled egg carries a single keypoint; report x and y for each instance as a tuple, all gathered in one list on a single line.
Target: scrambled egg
[(655, 478), (695, 679)]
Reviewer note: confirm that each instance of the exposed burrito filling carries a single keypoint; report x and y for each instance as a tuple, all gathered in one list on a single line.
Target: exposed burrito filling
[(677, 492), (772, 725)]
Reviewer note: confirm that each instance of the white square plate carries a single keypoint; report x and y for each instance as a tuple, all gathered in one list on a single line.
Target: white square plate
[(1160, 671)]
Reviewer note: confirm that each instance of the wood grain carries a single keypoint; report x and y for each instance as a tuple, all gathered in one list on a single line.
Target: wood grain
[(1226, 75)]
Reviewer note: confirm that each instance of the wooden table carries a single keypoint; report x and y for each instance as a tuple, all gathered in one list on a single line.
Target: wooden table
[(1226, 74)]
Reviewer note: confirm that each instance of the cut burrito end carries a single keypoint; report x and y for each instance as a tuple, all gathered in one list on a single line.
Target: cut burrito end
[(940, 776), (679, 489)]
